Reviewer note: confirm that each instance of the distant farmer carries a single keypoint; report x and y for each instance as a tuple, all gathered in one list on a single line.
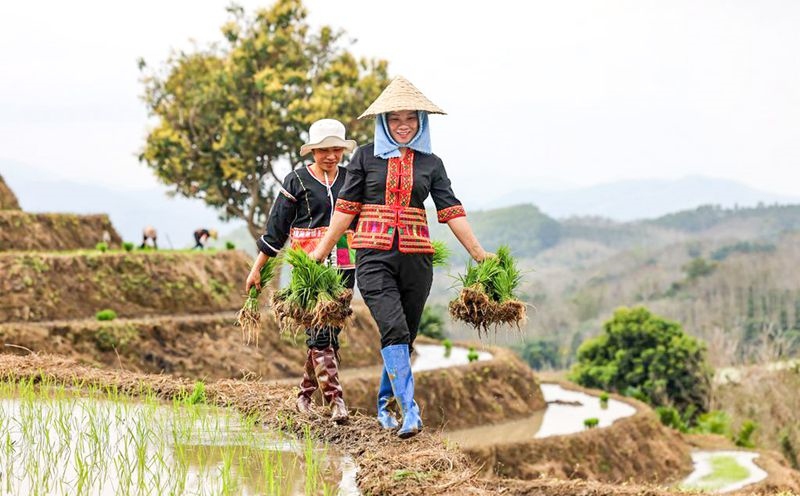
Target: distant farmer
[(149, 236), (301, 214), (201, 237)]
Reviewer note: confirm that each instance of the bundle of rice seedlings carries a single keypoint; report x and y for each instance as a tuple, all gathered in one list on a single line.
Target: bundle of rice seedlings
[(441, 253), (249, 317), (487, 295), (315, 297)]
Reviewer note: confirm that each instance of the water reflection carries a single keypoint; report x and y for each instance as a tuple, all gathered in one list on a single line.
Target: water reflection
[(565, 414), (75, 445), (723, 471), (432, 356)]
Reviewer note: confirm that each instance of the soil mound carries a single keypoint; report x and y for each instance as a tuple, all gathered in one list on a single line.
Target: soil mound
[(8, 200), (54, 232), (42, 286), (193, 346), (636, 448)]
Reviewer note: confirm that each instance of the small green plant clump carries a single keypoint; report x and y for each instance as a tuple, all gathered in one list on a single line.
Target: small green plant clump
[(789, 450), (441, 253), (105, 314), (101, 246), (472, 354), (127, 246), (197, 396), (249, 317), (591, 423), (448, 348), (230, 245), (315, 297), (744, 438), (109, 338), (604, 399), (487, 296)]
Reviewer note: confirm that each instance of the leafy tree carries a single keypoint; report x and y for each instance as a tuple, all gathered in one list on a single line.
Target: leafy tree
[(432, 322), (639, 351), (698, 267), (228, 116), (540, 353)]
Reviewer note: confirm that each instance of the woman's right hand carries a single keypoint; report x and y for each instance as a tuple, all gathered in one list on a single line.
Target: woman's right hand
[(317, 255)]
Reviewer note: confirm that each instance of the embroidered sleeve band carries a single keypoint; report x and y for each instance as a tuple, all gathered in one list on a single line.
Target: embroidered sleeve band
[(288, 195), (348, 207), (450, 213)]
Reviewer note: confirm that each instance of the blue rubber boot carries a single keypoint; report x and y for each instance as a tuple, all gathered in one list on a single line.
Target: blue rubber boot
[(385, 395), (397, 362)]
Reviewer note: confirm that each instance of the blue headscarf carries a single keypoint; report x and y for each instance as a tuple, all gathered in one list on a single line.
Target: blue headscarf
[(386, 146)]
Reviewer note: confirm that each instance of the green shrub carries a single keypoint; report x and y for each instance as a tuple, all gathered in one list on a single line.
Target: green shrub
[(591, 423), (713, 422), (106, 314), (789, 451), (230, 245), (108, 338), (101, 246), (540, 353), (671, 417), (698, 267), (745, 436), (127, 246), (432, 322), (604, 399), (645, 356), (472, 354)]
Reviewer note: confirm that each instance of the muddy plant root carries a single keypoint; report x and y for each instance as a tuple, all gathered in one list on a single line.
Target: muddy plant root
[(292, 317), (249, 320), (474, 307)]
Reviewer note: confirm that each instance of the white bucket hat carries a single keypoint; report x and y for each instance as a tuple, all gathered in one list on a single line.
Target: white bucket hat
[(327, 133)]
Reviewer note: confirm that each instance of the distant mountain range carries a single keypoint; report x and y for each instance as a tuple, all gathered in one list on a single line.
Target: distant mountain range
[(176, 218), (640, 199)]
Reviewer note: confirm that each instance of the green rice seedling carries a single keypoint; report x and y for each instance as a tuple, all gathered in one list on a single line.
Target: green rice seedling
[(105, 314), (441, 253), (488, 293), (147, 447), (315, 297), (249, 317)]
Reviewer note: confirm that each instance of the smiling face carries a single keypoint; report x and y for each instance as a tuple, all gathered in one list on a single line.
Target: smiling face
[(328, 158), (403, 125)]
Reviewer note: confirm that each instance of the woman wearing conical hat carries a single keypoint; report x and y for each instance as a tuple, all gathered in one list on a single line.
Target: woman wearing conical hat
[(387, 182)]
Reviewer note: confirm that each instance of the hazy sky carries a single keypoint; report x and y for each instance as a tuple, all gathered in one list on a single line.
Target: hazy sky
[(539, 94)]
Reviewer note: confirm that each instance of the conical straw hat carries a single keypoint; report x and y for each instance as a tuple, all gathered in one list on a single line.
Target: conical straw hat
[(400, 95)]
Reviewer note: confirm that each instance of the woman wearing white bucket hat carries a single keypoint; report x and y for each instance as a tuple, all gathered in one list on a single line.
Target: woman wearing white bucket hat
[(387, 183), (302, 212)]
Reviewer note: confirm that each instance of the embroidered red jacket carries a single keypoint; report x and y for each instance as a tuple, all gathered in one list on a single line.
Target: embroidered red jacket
[(388, 196)]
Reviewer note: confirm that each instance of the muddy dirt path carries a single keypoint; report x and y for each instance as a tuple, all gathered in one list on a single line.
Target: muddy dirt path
[(422, 465)]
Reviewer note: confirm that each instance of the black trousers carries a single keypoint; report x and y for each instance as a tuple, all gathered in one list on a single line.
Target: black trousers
[(323, 337), (395, 286)]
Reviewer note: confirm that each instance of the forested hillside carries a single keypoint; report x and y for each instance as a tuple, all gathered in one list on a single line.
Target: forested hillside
[(725, 274)]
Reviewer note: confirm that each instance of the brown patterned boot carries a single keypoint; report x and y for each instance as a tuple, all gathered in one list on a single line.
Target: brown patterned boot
[(326, 367), (307, 386)]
